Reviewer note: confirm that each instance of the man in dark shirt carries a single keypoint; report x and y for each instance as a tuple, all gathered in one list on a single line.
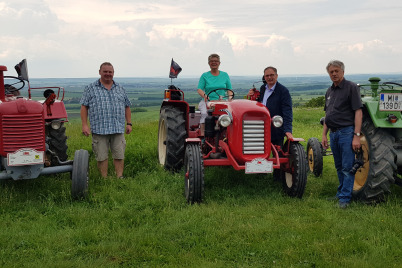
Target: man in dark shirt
[(343, 118), (276, 98)]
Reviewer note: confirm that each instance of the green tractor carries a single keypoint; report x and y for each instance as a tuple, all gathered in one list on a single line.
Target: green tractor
[(380, 164)]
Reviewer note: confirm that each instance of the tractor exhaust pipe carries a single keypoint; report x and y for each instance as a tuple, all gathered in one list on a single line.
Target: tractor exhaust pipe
[(2, 90)]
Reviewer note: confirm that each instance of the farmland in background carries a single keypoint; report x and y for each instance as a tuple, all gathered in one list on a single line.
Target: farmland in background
[(148, 92)]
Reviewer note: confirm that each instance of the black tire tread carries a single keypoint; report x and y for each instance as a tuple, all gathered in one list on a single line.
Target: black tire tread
[(194, 189), (176, 135), (57, 141), (315, 145), (299, 176), (79, 174), (382, 163)]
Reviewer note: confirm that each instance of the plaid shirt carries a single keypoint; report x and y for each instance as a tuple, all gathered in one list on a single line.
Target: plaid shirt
[(106, 107)]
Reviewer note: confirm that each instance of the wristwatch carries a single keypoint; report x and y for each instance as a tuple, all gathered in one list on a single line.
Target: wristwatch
[(357, 134), (129, 124)]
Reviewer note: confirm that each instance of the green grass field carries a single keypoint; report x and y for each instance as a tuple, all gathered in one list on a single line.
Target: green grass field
[(144, 221)]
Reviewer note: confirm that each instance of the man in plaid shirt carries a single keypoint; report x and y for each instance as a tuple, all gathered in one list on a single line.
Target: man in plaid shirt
[(108, 107)]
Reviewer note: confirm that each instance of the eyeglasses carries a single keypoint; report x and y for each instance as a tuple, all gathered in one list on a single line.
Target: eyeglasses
[(270, 75), (214, 61)]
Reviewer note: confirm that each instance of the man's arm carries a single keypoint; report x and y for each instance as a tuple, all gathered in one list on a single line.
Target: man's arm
[(287, 111), (358, 126), (129, 128), (84, 120), (324, 139)]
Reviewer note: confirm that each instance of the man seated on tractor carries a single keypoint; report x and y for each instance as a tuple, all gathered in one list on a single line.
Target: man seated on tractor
[(209, 81), (276, 98)]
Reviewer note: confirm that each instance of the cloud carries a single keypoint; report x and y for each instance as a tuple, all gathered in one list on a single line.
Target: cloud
[(26, 21), (71, 38)]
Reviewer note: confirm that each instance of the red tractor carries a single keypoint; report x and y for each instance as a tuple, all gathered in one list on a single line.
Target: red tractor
[(32, 134), (237, 134)]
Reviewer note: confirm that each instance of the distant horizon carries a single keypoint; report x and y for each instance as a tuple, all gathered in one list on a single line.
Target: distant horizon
[(234, 76)]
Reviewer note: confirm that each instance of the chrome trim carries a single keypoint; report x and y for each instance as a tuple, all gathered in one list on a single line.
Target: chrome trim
[(253, 137)]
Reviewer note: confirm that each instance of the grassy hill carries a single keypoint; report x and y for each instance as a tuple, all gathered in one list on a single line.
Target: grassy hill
[(144, 221)]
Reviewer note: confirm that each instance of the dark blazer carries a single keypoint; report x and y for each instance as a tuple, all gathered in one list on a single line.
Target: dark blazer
[(279, 103)]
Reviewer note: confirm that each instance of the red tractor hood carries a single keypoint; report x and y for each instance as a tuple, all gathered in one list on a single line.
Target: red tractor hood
[(247, 117), (20, 106)]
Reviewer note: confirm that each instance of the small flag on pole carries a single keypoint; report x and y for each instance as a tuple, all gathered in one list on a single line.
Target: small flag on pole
[(175, 69), (22, 70)]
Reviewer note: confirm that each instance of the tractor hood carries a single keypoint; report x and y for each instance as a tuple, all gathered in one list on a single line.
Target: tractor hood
[(20, 106), (251, 125), (240, 108)]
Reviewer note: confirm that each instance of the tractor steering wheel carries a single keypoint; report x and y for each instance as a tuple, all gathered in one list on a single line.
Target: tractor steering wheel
[(392, 83), (10, 87), (227, 95)]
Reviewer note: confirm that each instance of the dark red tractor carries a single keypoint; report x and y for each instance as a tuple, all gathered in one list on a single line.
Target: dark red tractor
[(237, 134), (33, 139)]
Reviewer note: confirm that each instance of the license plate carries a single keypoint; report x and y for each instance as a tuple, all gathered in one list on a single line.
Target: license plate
[(259, 165), (390, 102), (24, 157)]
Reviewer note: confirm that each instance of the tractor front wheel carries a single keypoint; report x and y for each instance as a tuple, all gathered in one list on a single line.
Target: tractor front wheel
[(314, 156), (171, 137), (294, 176), (79, 175), (194, 176)]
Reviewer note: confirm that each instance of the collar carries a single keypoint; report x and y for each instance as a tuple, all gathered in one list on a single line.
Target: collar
[(272, 88), (340, 84), (98, 83)]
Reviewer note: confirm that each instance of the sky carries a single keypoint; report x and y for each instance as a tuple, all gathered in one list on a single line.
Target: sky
[(68, 39)]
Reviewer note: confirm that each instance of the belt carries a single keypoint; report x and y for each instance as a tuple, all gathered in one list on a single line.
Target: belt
[(335, 129)]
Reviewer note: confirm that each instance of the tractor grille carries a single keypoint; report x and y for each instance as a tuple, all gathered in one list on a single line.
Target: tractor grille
[(253, 137), (22, 131)]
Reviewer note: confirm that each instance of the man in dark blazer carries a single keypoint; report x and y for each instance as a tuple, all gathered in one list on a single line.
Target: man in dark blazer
[(276, 98)]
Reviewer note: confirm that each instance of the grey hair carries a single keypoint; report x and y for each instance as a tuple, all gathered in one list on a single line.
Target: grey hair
[(336, 63), (272, 68), (214, 56)]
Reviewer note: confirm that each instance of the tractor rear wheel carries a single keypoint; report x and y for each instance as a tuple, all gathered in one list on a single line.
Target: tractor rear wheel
[(79, 175), (294, 178), (314, 156), (194, 176), (57, 141), (373, 179), (171, 137)]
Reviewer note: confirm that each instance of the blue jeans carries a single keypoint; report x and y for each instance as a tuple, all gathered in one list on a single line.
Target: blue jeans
[(341, 147)]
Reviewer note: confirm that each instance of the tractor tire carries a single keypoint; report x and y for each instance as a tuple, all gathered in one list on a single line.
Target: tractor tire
[(79, 174), (374, 178), (171, 138), (194, 176), (315, 156), (57, 140), (294, 178)]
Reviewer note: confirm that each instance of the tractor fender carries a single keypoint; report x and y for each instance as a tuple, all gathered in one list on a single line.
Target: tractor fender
[(288, 142), (296, 139), (193, 140), (378, 117)]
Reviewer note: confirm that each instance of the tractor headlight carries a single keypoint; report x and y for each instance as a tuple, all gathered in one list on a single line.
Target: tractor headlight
[(277, 121), (224, 120), (56, 124)]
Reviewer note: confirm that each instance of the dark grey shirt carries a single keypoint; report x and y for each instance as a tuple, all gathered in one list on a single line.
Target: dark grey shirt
[(341, 102)]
